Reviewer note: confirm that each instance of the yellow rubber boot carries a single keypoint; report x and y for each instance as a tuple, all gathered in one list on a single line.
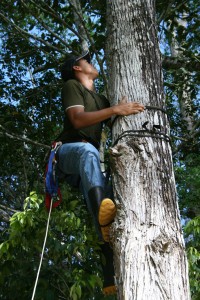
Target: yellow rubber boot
[(107, 213)]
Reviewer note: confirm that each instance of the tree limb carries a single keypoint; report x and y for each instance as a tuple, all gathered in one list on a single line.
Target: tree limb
[(169, 10), (45, 26), (91, 43), (4, 218), (26, 34), (79, 25), (52, 12), (177, 63), (165, 12), (22, 139), (8, 208)]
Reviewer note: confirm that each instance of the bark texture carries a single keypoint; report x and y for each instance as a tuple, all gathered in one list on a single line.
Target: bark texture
[(184, 95), (150, 260)]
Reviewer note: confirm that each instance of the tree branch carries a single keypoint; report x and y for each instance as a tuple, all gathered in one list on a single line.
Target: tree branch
[(45, 26), (176, 63), (165, 12), (52, 13), (4, 218), (169, 10), (78, 22), (92, 45), (22, 139), (26, 34), (8, 208)]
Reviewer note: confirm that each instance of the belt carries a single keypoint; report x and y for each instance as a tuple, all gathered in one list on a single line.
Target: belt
[(95, 144)]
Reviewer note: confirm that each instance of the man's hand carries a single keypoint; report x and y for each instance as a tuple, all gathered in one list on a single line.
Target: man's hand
[(125, 108)]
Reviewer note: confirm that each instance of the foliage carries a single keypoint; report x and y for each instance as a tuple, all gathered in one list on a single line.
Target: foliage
[(192, 235), (188, 185), (35, 37), (70, 268), (179, 32)]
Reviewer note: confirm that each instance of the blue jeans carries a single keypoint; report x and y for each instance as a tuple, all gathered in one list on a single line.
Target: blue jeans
[(81, 163)]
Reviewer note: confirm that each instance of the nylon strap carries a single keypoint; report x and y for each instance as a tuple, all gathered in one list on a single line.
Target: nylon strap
[(51, 181), (155, 133)]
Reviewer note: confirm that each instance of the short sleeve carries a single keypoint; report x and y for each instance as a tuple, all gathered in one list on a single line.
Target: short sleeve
[(72, 94)]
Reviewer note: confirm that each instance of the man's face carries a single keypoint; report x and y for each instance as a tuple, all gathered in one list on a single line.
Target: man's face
[(88, 68)]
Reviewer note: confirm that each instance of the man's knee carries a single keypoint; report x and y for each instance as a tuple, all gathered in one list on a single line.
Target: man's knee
[(89, 149)]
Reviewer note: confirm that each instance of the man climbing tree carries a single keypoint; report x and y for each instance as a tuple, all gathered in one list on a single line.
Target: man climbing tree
[(78, 157)]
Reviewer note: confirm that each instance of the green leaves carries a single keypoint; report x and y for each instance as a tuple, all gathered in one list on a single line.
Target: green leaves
[(192, 234), (70, 258), (75, 292), (4, 248), (32, 201)]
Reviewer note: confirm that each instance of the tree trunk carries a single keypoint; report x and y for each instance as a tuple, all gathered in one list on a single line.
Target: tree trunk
[(150, 260), (184, 95)]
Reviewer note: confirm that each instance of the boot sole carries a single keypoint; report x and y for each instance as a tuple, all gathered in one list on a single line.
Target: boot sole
[(110, 290)]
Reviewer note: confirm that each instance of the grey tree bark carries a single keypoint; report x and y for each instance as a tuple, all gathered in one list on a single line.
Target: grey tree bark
[(185, 101), (150, 260)]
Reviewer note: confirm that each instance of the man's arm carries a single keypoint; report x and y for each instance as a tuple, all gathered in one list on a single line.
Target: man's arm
[(80, 119)]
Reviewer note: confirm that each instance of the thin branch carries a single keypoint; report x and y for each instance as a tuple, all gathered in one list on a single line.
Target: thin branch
[(8, 208), (59, 289), (4, 217), (22, 139), (92, 45), (26, 34), (164, 14), (176, 63), (182, 145), (31, 76), (61, 277), (8, 190), (179, 138), (191, 135), (45, 26), (184, 142), (52, 13), (193, 132), (80, 16)]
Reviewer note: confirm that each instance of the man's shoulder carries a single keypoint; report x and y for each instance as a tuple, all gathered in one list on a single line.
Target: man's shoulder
[(72, 88), (72, 83)]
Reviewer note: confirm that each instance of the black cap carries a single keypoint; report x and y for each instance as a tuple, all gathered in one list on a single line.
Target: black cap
[(67, 68)]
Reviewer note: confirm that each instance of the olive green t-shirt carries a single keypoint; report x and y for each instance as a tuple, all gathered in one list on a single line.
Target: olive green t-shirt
[(75, 94)]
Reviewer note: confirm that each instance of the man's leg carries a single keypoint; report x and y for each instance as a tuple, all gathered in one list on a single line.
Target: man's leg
[(83, 159)]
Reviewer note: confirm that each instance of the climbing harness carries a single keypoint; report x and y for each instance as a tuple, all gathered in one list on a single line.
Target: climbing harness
[(53, 197), (51, 181), (145, 132)]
